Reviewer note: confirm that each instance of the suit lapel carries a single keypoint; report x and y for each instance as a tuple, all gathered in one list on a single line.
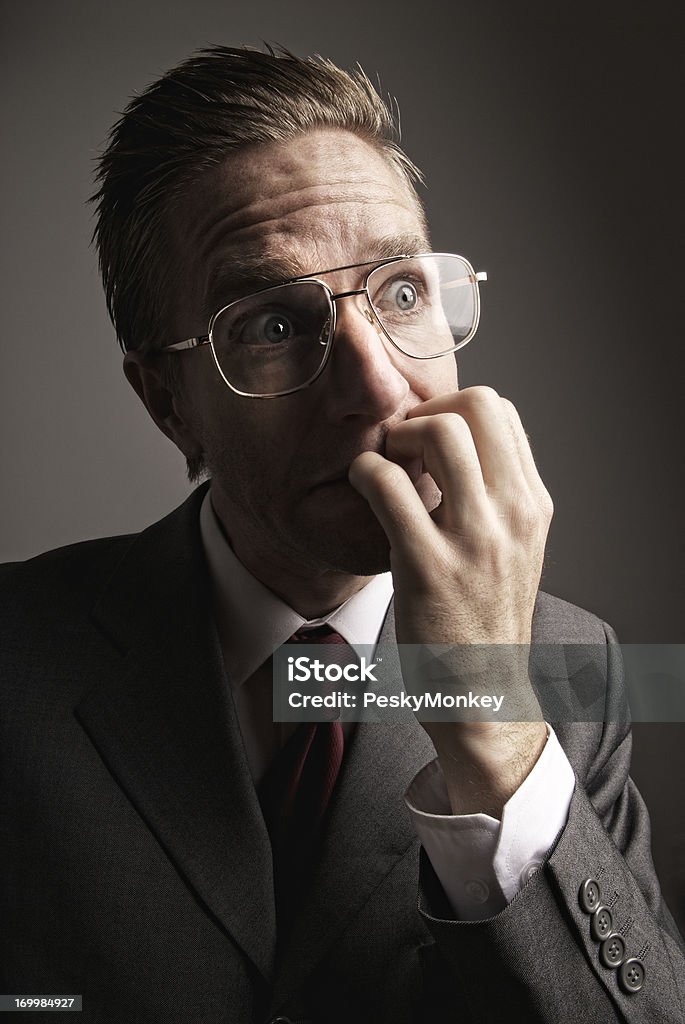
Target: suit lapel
[(163, 721)]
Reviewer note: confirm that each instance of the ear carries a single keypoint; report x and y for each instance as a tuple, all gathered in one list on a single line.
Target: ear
[(143, 373)]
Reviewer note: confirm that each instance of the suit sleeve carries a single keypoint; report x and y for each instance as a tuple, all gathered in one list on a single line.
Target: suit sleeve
[(547, 956)]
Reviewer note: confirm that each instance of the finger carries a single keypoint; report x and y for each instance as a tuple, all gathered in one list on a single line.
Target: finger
[(444, 444), (394, 501), (524, 447), (500, 443), (508, 465)]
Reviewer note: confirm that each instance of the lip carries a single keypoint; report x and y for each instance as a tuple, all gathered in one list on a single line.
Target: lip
[(414, 469), (339, 478), (342, 475)]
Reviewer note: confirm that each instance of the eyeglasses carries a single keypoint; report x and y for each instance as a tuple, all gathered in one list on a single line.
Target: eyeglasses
[(278, 340)]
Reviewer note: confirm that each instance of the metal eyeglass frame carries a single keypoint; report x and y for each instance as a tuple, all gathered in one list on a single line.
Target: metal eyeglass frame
[(370, 314)]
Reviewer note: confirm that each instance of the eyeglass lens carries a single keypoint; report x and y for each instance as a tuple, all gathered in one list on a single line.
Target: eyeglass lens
[(276, 340)]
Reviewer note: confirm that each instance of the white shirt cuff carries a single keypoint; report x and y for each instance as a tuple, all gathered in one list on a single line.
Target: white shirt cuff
[(481, 862)]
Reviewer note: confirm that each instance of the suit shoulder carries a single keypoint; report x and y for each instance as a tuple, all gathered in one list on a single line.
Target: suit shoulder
[(558, 621), (60, 575)]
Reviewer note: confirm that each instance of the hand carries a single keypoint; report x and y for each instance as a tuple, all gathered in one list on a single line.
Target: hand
[(468, 572)]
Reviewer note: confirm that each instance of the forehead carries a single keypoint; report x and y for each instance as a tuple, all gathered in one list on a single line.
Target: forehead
[(278, 210)]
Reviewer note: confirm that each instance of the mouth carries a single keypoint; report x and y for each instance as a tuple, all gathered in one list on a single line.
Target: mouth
[(414, 469), (339, 478)]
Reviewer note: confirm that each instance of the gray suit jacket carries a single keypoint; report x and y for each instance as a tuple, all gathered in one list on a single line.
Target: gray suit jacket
[(135, 867)]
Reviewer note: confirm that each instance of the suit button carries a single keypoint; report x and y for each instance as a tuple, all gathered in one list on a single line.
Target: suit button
[(477, 890), (589, 895), (631, 975), (601, 924), (529, 870), (613, 950)]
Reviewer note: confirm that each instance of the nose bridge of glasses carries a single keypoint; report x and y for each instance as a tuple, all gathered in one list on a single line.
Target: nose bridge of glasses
[(366, 309)]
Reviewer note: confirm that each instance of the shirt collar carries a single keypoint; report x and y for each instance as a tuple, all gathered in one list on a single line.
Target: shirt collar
[(253, 622)]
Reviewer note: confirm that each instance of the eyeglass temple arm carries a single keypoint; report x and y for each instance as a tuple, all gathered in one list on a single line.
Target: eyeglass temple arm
[(481, 276), (180, 346)]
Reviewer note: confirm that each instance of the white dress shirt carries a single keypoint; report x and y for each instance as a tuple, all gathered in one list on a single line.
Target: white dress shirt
[(481, 862)]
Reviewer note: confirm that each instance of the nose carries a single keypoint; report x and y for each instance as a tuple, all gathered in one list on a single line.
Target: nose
[(365, 371)]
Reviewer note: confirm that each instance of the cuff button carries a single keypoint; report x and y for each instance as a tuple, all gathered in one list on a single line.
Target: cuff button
[(601, 924), (612, 951), (589, 895), (631, 975)]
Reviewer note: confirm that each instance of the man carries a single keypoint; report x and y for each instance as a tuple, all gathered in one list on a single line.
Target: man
[(143, 860)]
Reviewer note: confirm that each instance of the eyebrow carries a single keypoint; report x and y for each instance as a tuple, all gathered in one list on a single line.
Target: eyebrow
[(399, 245), (247, 273), (252, 269)]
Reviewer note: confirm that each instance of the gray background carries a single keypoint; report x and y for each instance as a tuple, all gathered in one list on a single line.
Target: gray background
[(550, 145)]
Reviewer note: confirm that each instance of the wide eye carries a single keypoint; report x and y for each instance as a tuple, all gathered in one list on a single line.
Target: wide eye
[(266, 328), (398, 296), (405, 295)]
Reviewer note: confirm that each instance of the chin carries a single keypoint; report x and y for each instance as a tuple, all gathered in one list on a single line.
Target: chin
[(345, 535), (364, 559)]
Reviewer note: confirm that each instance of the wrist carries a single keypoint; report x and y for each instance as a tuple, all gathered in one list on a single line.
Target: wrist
[(484, 764)]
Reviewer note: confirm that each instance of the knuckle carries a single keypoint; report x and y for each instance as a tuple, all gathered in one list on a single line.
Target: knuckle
[(479, 396), (389, 474), (528, 519), (445, 426), (511, 410), (483, 392), (547, 505)]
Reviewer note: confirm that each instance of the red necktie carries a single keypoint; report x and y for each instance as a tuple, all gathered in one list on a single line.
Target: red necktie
[(296, 790)]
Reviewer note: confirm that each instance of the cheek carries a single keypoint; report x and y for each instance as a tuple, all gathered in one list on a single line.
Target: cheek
[(446, 371), (253, 441), (216, 419), (433, 377)]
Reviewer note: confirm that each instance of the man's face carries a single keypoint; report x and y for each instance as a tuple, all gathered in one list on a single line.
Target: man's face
[(279, 466)]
